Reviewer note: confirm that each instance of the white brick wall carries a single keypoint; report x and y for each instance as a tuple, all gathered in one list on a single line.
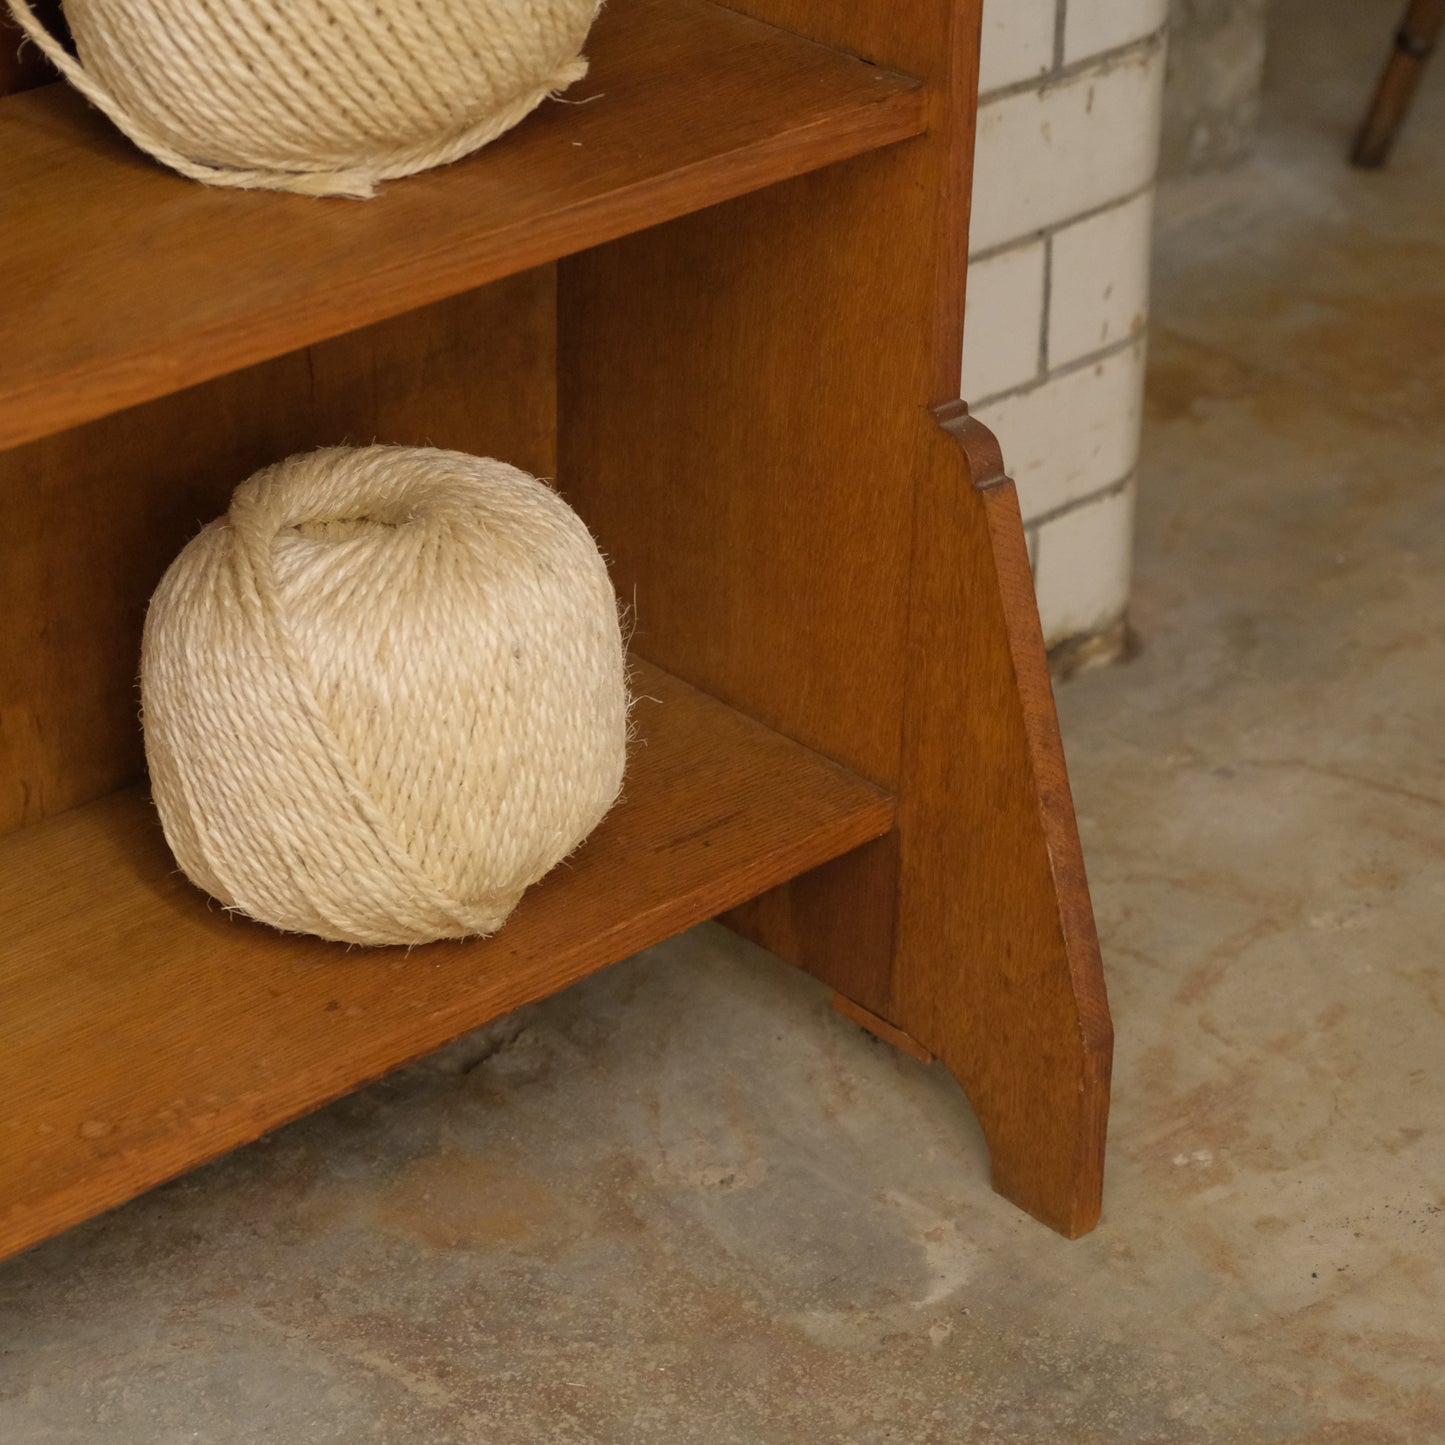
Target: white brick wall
[(1072, 436), (1081, 563), (1006, 311), (1058, 281), (1094, 26), (1100, 286), (1017, 44), (1069, 146)]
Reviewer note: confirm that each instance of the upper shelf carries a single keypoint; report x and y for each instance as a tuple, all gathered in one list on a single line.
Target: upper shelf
[(120, 282)]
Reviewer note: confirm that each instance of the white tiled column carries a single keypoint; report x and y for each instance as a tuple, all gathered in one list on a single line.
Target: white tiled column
[(1068, 140)]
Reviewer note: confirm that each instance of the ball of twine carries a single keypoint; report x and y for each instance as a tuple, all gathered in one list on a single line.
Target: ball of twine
[(384, 694), (325, 97)]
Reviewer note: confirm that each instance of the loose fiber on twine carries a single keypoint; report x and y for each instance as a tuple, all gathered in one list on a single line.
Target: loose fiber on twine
[(384, 694), (325, 97)]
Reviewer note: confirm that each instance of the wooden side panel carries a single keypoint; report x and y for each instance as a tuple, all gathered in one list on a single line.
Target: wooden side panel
[(747, 418), (999, 971), (837, 922), (94, 515)]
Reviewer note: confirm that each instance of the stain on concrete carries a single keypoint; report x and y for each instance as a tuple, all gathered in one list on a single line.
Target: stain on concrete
[(457, 1201)]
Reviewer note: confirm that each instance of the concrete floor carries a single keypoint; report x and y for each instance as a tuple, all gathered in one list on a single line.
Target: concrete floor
[(686, 1203)]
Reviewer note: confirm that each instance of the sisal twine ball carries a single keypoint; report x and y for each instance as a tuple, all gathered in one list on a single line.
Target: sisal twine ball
[(384, 694), (325, 97)]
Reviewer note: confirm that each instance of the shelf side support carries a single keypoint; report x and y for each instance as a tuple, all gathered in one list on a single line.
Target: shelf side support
[(997, 968), (757, 419)]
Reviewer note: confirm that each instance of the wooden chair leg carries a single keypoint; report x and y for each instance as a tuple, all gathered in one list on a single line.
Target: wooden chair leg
[(1414, 41)]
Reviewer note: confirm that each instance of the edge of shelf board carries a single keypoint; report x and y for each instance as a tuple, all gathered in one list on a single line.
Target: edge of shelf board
[(120, 282), (146, 1031)]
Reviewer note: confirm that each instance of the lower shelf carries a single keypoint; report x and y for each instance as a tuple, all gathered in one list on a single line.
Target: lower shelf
[(143, 1030)]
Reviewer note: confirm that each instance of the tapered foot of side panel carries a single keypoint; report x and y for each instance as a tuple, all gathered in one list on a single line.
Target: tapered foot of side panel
[(996, 966), (1045, 1135), (1043, 1118)]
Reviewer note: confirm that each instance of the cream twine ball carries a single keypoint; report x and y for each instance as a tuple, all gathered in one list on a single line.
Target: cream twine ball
[(384, 694), (326, 97)]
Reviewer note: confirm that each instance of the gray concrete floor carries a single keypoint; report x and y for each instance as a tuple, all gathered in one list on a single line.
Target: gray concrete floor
[(685, 1202)]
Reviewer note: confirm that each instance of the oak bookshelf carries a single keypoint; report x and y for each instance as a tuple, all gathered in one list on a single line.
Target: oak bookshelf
[(718, 296)]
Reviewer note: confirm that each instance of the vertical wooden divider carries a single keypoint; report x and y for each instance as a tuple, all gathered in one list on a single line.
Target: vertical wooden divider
[(747, 419)]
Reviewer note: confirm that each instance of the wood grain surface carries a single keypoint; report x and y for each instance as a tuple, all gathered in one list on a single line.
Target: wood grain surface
[(120, 282), (95, 514), (781, 353), (998, 971), (145, 1030), (749, 404)]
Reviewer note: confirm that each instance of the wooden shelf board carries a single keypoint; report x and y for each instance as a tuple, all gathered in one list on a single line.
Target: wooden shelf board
[(144, 1030), (121, 282)]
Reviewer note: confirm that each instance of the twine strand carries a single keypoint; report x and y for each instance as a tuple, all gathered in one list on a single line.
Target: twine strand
[(319, 97), (384, 694)]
